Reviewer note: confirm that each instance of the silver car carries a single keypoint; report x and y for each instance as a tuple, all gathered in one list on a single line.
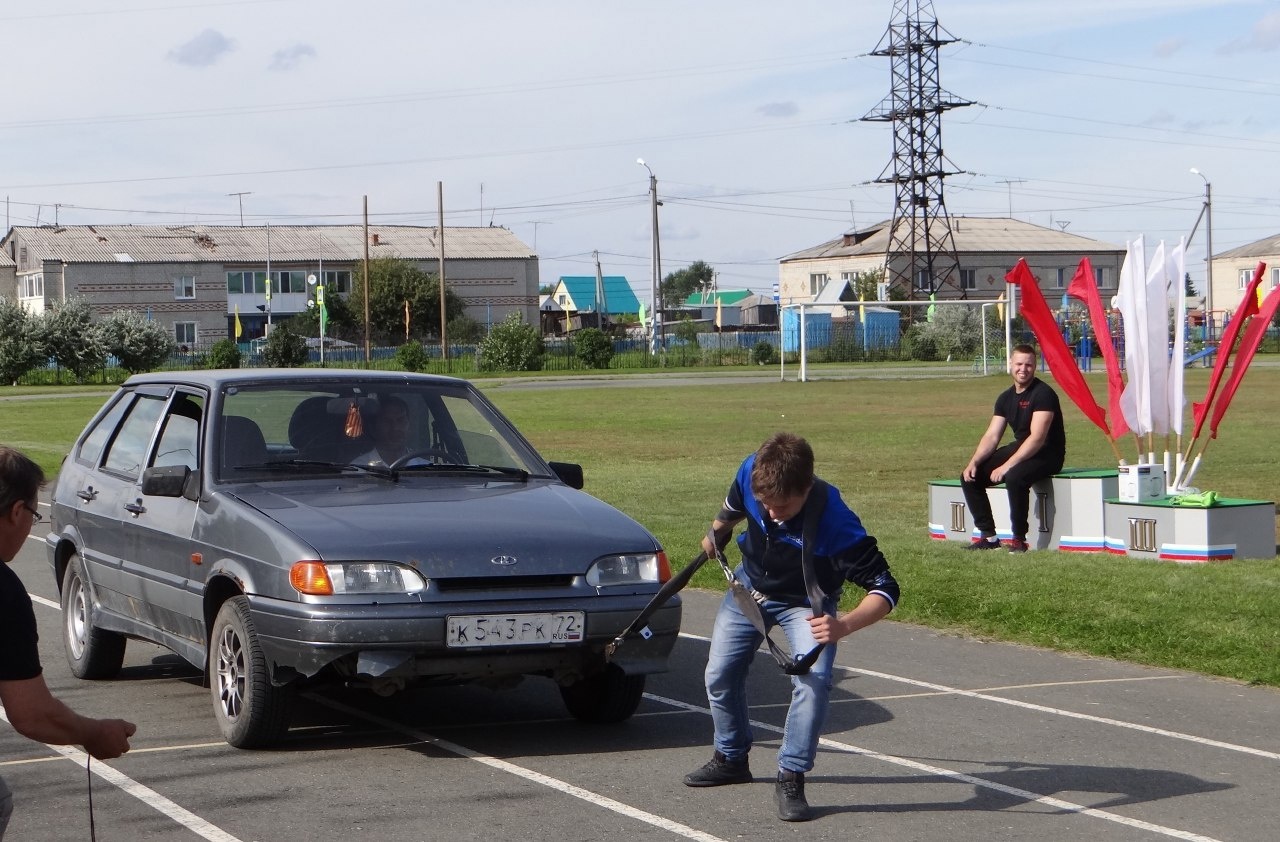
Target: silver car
[(282, 527)]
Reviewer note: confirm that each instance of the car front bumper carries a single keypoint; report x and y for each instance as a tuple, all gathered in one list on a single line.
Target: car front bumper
[(407, 640)]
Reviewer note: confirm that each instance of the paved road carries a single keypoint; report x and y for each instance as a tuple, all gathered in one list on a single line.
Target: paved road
[(930, 737)]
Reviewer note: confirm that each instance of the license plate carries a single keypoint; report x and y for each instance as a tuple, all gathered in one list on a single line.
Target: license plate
[(515, 629)]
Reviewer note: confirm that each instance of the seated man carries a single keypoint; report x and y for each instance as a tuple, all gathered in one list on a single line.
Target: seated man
[(1030, 407), (390, 429)]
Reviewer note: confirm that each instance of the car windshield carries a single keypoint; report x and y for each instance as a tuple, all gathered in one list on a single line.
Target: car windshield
[(384, 429)]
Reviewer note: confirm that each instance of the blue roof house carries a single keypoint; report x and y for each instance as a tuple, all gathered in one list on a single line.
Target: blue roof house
[(577, 294)]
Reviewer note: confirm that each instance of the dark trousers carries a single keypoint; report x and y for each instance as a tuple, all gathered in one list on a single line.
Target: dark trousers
[(1017, 482)]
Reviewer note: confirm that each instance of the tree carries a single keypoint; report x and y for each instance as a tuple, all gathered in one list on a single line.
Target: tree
[(284, 348), (138, 343), (21, 344), (411, 356), (679, 285), (343, 322), (593, 347), (1189, 288), (72, 339), (511, 346), (394, 281), (225, 353)]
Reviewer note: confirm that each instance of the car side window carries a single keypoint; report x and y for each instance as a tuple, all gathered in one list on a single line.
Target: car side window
[(180, 437), (91, 447), (129, 448), (483, 444)]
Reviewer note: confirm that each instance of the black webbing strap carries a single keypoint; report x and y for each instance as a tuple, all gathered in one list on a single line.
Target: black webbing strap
[(814, 506)]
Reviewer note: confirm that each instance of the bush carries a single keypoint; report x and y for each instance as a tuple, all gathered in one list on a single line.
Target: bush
[(137, 342), (593, 347), (21, 343), (72, 339), (224, 354), (411, 356), (284, 349), (511, 346), (762, 353)]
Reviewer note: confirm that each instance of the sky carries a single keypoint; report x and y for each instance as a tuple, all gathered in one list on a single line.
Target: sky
[(1087, 117)]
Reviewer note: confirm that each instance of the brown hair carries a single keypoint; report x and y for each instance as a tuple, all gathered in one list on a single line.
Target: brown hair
[(783, 467), (20, 478), (1024, 349)]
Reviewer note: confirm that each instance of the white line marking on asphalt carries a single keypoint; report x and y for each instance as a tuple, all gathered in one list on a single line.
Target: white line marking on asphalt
[(520, 771), (145, 794), (1027, 795), (1102, 720)]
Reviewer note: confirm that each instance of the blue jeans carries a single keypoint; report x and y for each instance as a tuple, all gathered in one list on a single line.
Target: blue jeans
[(734, 642)]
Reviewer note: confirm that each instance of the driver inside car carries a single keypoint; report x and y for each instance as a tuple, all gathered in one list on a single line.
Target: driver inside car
[(390, 428)]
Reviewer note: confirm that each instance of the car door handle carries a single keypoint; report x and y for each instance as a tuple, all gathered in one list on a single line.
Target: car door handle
[(88, 494), (135, 508)]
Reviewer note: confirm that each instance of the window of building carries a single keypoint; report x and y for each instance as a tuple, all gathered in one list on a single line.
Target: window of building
[(289, 280), (1060, 278), (338, 281), (1102, 276), (924, 280), (968, 278), (32, 286), (184, 286), (1275, 278), (1246, 275), (817, 281), (184, 333)]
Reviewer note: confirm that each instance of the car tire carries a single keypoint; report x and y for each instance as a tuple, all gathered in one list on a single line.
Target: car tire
[(251, 711), (606, 697), (92, 653)]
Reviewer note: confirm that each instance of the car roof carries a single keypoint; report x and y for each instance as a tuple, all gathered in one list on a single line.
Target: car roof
[(216, 379)]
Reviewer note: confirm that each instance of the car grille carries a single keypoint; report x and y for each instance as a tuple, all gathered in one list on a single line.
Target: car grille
[(502, 583)]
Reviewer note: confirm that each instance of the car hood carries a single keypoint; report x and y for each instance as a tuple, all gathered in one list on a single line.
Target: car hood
[(452, 527)]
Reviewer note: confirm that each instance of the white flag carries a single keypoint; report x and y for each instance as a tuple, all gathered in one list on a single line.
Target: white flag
[(1131, 301), (1177, 365), (1158, 339)]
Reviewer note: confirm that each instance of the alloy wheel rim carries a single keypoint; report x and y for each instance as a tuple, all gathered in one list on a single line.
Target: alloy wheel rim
[(231, 674)]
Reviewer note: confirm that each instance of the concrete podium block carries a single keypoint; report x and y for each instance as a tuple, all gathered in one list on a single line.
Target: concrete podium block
[(1159, 530), (1066, 511)]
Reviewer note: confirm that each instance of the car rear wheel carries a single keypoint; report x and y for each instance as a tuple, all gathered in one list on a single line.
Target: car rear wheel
[(608, 696), (91, 652), (251, 711)]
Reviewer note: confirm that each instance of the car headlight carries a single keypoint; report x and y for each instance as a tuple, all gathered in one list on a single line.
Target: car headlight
[(629, 569), (316, 578)]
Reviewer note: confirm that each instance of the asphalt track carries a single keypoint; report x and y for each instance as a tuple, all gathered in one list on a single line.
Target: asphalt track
[(930, 737)]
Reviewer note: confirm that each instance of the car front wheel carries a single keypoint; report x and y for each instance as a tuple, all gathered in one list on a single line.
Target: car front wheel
[(606, 697), (91, 652), (251, 711)]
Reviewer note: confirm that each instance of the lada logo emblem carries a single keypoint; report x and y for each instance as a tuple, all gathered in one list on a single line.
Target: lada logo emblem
[(503, 560)]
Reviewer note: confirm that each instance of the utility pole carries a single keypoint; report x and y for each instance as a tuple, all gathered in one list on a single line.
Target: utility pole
[(1010, 182), (366, 279), (655, 285), (444, 345)]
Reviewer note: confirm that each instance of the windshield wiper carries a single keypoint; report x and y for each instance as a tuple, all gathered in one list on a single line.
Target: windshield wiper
[(318, 466), (518, 474)]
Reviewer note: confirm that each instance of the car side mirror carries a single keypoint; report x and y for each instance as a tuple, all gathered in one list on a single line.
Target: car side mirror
[(569, 473), (171, 481)]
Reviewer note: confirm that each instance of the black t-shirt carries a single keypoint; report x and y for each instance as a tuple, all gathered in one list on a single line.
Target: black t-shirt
[(19, 652), (1017, 409)]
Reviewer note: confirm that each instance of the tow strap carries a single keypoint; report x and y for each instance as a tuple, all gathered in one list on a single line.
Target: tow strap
[(745, 599)]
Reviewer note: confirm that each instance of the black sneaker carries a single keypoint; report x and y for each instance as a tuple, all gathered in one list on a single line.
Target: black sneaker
[(1018, 546), (984, 544), (789, 792), (718, 771)]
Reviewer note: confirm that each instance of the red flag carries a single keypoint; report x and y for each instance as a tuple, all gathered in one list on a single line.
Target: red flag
[(1084, 288), (1253, 335), (1056, 353), (1248, 307)]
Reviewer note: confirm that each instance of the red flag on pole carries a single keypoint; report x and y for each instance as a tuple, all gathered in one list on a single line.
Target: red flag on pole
[(1084, 288), (1253, 335), (1056, 353), (1248, 307)]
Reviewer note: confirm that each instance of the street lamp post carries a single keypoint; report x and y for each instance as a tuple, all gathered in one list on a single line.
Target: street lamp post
[(318, 303), (1208, 253), (659, 330)]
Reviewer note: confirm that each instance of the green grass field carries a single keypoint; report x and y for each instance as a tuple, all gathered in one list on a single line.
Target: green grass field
[(666, 454)]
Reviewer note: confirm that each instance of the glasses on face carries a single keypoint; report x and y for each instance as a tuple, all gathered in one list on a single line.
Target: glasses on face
[(36, 517)]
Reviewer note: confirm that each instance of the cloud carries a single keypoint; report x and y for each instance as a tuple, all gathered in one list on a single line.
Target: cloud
[(202, 50), (1264, 37), (1169, 46), (778, 109), (289, 58)]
